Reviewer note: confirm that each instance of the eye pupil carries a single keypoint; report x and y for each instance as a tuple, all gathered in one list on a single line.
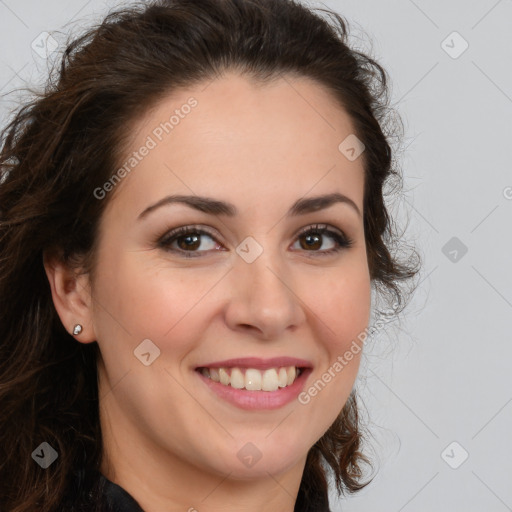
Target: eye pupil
[(312, 241), (192, 242)]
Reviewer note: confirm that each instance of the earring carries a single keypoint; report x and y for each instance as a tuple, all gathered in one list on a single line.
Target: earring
[(77, 329)]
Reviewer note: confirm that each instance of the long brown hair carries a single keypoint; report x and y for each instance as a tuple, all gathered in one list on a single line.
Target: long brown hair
[(66, 142)]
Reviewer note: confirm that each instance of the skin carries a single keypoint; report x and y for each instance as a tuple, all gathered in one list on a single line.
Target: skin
[(168, 440)]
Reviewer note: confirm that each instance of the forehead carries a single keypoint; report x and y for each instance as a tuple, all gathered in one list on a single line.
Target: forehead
[(236, 137)]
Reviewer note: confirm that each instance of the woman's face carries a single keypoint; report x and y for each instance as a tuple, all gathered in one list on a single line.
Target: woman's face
[(252, 287)]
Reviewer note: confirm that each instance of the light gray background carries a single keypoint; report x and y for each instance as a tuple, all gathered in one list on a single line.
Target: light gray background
[(445, 374)]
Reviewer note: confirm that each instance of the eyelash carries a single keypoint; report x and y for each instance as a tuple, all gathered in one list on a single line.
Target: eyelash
[(342, 241)]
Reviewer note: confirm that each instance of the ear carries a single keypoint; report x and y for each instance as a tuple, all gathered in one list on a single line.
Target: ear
[(71, 294)]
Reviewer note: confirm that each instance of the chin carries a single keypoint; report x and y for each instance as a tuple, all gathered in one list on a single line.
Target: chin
[(259, 459)]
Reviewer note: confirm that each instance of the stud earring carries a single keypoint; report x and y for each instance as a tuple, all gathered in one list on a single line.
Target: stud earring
[(77, 329)]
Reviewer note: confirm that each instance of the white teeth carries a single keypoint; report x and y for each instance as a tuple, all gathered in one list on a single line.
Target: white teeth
[(283, 377), (270, 382), (224, 377), (237, 379), (292, 373), (253, 379)]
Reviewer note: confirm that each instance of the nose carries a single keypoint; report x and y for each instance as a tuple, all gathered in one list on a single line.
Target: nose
[(262, 298)]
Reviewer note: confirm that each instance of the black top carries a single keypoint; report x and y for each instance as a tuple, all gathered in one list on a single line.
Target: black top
[(91, 491), (120, 500)]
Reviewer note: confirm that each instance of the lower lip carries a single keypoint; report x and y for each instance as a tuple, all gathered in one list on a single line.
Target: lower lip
[(254, 400)]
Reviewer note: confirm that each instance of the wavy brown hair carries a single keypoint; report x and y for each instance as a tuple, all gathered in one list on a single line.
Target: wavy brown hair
[(66, 141)]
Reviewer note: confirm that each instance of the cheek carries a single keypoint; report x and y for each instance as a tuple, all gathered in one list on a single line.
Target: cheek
[(139, 298), (343, 311), (343, 304)]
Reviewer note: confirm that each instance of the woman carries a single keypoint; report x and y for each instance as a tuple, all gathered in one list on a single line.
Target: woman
[(192, 222)]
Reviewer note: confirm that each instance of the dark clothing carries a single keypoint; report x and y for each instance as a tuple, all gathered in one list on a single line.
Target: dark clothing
[(119, 499), (93, 492)]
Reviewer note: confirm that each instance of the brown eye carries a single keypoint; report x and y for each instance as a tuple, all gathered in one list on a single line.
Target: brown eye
[(188, 240), (312, 241), (313, 238), (191, 241)]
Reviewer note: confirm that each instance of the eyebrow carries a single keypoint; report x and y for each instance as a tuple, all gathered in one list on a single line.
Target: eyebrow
[(215, 207)]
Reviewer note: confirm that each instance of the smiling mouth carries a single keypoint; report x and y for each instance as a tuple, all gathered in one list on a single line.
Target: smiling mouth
[(252, 379)]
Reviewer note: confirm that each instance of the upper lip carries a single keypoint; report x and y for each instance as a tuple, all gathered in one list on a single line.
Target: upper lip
[(258, 363)]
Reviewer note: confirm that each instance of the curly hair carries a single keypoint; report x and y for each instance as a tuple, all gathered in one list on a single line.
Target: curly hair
[(63, 144)]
